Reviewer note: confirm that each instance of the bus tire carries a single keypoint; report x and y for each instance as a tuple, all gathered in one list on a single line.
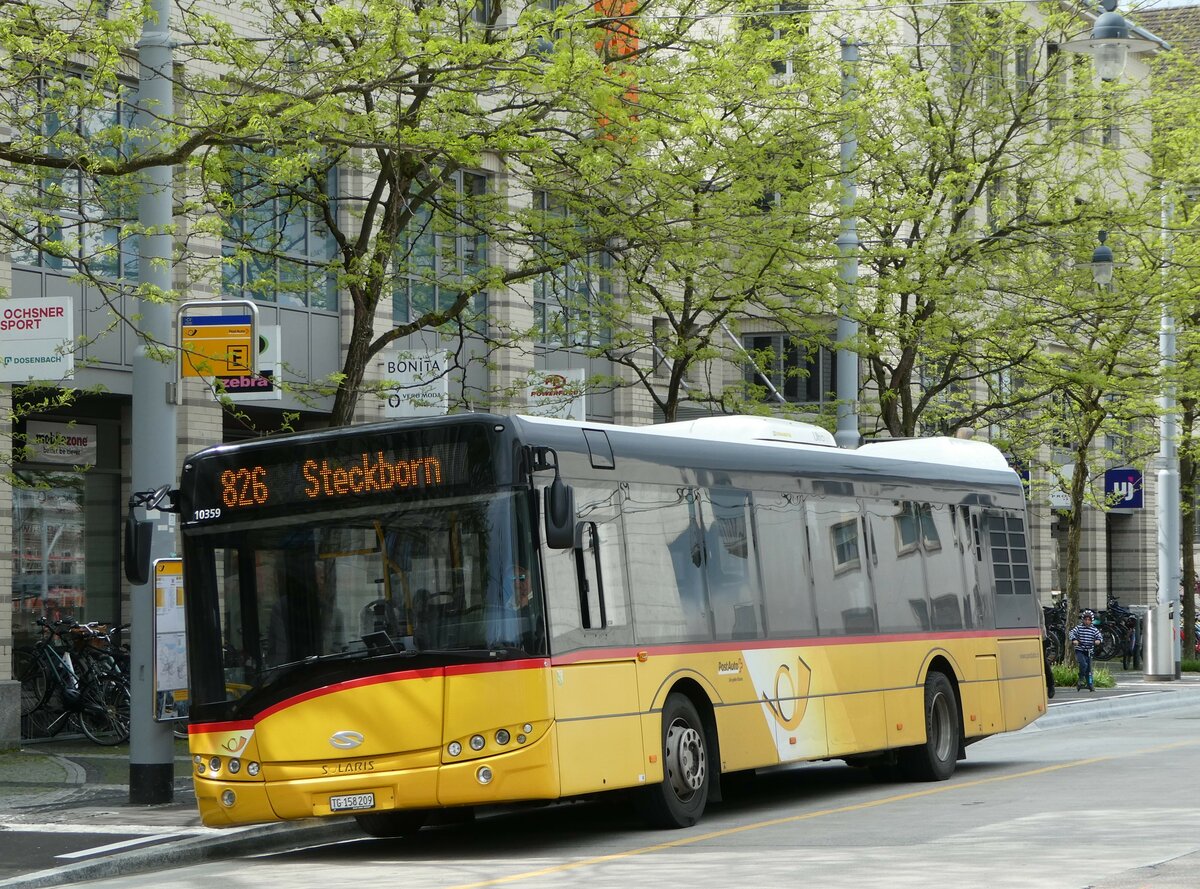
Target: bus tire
[(398, 823), (679, 800), (935, 759)]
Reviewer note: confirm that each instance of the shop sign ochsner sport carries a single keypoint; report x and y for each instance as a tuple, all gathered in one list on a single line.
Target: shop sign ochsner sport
[(37, 339)]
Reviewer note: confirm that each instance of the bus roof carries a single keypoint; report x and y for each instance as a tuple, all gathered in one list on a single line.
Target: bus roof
[(772, 431)]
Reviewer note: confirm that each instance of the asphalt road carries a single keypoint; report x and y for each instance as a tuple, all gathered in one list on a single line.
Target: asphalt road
[(1104, 805)]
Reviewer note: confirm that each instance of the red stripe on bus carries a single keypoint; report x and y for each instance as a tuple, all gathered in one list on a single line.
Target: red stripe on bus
[(499, 667), (364, 681)]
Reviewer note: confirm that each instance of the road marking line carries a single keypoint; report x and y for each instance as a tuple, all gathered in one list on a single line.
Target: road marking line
[(808, 816), (58, 827), (124, 844)]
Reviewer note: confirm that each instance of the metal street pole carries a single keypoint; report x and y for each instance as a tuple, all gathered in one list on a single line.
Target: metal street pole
[(847, 434), (1162, 659), (151, 745)]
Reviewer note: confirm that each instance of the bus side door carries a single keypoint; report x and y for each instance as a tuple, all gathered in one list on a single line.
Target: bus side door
[(594, 678)]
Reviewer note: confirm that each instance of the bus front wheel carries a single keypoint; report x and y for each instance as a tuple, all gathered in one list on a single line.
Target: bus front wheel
[(679, 800), (400, 823), (935, 759)]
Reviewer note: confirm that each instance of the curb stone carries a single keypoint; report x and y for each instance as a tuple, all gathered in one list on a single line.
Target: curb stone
[(209, 846)]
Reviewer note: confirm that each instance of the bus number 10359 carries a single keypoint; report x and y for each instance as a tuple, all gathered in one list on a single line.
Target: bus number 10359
[(244, 487)]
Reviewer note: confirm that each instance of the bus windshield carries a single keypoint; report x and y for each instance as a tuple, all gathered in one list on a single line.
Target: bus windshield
[(453, 576)]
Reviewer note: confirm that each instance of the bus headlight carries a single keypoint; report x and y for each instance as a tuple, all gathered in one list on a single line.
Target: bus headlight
[(215, 764), (235, 766), (454, 748), (483, 776), (252, 769), (502, 737), (228, 798), (477, 742)]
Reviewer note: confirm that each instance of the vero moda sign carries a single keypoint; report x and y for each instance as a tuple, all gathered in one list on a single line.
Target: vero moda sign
[(37, 339)]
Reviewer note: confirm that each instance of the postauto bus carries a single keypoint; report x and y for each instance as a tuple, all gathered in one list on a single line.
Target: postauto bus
[(392, 619)]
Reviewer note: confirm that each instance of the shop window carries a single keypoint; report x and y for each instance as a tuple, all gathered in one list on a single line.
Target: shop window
[(64, 549)]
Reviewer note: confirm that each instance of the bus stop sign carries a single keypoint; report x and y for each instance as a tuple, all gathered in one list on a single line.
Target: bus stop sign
[(218, 339)]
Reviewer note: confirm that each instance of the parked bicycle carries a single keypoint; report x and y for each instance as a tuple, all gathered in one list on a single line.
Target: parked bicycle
[(1117, 624), (73, 675), (1055, 618)]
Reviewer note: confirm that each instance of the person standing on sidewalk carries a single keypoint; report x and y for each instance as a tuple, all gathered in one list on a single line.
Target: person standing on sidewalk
[(1086, 639)]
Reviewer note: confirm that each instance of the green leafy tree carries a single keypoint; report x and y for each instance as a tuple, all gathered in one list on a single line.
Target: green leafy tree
[(726, 213), (397, 101), (1175, 104), (1099, 365), (982, 154)]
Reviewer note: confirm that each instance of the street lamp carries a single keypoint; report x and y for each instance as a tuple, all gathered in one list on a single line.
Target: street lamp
[(1110, 43), (1102, 262), (1160, 657), (847, 435)]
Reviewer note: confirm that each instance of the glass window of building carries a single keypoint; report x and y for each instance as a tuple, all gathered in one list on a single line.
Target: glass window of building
[(75, 220), (565, 300), (276, 247), (443, 249), (800, 372)]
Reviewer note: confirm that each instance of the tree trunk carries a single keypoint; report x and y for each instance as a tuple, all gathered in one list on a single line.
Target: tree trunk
[(354, 368), (1075, 533)]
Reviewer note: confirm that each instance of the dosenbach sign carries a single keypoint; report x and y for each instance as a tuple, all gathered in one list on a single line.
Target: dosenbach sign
[(37, 339)]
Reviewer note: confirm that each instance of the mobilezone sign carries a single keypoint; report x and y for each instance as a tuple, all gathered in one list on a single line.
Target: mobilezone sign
[(37, 339)]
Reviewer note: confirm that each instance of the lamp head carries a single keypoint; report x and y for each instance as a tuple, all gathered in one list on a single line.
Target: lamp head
[(1111, 41), (1102, 262)]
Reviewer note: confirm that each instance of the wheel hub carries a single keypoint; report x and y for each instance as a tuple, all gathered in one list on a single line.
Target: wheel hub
[(686, 762)]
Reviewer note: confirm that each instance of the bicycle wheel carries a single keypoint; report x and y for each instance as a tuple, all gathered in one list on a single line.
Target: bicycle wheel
[(104, 716), (30, 670), (1110, 644)]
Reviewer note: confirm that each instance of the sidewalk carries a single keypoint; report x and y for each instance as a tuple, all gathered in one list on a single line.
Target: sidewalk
[(1133, 695), (72, 782), (64, 783)]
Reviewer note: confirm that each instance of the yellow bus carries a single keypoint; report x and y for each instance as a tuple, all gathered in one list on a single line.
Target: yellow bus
[(477, 609)]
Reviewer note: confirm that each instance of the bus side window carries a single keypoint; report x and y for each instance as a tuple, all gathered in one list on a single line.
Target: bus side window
[(949, 595), (666, 560), (780, 538), (731, 566), (899, 578), (597, 560), (845, 603)]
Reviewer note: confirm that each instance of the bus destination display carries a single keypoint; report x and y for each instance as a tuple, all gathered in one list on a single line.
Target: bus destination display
[(228, 486)]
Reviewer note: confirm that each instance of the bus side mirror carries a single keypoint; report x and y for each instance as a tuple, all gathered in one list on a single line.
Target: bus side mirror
[(138, 533), (560, 515)]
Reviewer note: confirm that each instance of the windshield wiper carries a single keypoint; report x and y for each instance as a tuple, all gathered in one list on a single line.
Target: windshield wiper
[(317, 659), (495, 651)]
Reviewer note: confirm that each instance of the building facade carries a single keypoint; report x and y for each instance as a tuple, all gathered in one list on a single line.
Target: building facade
[(60, 523)]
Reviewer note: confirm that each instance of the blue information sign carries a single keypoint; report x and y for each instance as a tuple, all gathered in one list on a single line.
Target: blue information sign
[(1123, 488)]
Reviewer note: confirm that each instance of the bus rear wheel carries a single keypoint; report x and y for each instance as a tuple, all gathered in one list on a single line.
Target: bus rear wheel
[(400, 823), (679, 800), (935, 759)]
